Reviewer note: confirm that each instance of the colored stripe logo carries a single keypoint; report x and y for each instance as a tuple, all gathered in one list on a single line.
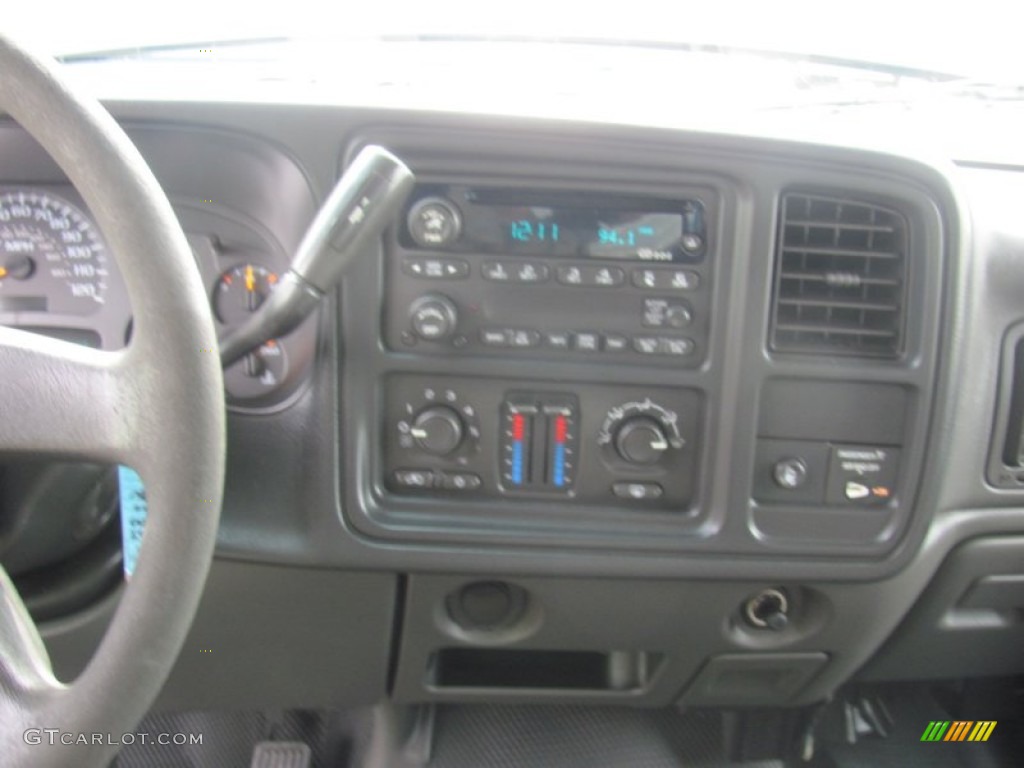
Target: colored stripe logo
[(959, 730)]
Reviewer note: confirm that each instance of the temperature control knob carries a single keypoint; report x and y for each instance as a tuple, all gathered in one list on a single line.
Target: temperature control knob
[(437, 430), (641, 440), (433, 317)]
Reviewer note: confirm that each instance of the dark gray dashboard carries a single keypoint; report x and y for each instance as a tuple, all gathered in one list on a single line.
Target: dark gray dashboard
[(752, 399), (312, 480)]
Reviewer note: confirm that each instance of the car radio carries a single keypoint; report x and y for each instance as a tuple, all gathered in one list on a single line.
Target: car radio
[(549, 273)]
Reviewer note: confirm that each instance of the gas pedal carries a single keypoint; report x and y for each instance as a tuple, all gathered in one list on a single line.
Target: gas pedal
[(867, 717)]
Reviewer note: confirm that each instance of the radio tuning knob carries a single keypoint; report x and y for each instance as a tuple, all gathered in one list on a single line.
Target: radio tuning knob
[(437, 430), (433, 317), (641, 440)]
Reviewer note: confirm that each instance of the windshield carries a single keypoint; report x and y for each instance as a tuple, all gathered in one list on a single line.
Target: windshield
[(976, 40), (927, 78)]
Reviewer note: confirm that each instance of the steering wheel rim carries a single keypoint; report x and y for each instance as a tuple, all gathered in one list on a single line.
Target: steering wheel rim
[(157, 406)]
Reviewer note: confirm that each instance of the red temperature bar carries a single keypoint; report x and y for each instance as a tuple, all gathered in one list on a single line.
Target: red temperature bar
[(560, 429)]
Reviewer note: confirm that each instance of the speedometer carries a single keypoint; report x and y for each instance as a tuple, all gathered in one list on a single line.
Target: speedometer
[(52, 258)]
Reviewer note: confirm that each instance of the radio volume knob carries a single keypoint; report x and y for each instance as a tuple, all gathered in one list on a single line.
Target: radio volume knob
[(641, 440), (433, 317), (434, 223), (437, 430)]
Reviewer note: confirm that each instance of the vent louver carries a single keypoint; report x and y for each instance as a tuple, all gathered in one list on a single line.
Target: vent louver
[(840, 275)]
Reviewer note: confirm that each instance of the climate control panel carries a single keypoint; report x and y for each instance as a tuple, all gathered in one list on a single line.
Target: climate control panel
[(570, 443), (539, 439)]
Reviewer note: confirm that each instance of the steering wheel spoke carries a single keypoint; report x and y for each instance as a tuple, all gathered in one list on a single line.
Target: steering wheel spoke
[(25, 671), (60, 399)]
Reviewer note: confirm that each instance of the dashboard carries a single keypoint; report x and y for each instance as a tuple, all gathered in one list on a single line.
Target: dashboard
[(669, 412)]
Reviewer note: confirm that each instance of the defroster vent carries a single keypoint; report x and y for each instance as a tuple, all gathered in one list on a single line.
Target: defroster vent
[(840, 277)]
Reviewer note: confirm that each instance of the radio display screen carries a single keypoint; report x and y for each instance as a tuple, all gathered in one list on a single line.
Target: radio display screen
[(576, 225), (588, 232)]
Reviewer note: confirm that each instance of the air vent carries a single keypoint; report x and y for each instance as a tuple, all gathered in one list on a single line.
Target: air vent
[(840, 277)]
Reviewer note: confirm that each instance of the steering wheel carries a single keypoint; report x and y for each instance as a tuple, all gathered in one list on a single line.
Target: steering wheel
[(157, 405)]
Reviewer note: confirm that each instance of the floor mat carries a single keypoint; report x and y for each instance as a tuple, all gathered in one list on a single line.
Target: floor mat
[(912, 707), (228, 738), (577, 737)]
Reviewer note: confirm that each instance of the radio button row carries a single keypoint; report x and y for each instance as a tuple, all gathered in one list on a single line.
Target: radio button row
[(509, 337), (663, 345), (591, 276), (586, 341), (589, 341), (517, 272), (436, 269), (666, 279)]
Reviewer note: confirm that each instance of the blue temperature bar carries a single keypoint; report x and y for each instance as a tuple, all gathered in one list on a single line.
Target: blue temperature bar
[(559, 474), (517, 462)]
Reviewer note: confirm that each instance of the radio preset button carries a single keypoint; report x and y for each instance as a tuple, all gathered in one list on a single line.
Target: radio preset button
[(494, 337), (557, 339), (570, 275), (497, 271), (607, 277), (675, 347), (586, 342), (520, 338), (614, 342), (456, 269), (530, 272), (646, 345), (666, 279), (591, 276)]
